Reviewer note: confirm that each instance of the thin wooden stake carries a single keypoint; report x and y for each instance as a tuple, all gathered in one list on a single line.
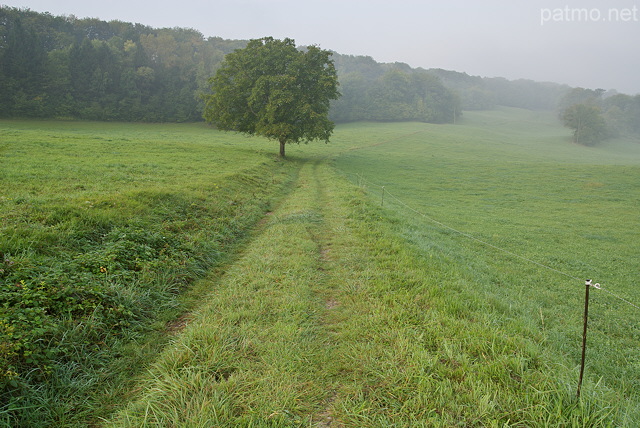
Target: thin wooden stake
[(382, 202), (584, 333)]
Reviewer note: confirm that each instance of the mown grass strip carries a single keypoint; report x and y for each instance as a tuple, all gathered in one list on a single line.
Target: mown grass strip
[(255, 352)]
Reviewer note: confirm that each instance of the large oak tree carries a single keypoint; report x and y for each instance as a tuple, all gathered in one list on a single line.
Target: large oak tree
[(273, 89)]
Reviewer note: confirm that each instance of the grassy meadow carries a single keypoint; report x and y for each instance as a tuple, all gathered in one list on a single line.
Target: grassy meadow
[(172, 275), (103, 229), (528, 217)]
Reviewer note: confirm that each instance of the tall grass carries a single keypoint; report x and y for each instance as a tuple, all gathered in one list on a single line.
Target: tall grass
[(103, 228)]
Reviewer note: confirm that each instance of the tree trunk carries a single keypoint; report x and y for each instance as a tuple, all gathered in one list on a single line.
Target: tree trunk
[(282, 148)]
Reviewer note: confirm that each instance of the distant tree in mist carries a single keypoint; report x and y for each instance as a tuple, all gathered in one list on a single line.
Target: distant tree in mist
[(622, 113), (594, 114), (589, 127), (575, 96)]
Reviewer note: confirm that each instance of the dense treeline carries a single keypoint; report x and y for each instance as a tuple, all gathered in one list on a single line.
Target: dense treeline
[(620, 112), (56, 66), (61, 66), (595, 115), (390, 92), (53, 66), (483, 93), (64, 67)]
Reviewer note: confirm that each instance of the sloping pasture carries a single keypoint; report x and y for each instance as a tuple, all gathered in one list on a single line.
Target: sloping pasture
[(528, 217)]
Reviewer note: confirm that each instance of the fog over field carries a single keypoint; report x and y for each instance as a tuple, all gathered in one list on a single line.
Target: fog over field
[(590, 44)]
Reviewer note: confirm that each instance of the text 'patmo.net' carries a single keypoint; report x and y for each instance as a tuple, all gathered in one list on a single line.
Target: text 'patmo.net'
[(571, 14)]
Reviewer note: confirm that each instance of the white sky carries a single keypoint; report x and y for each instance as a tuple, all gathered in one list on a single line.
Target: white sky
[(588, 43)]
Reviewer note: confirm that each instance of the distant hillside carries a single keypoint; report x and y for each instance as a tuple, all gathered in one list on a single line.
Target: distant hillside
[(64, 67), (478, 93), (390, 92)]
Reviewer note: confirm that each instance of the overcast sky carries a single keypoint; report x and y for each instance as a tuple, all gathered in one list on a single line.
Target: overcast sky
[(587, 43)]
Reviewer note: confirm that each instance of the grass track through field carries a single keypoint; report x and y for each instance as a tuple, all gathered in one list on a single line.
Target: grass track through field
[(329, 319), (265, 328)]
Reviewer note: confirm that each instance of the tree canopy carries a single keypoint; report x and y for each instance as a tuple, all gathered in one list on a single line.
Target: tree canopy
[(395, 93), (588, 125), (272, 89), (65, 67)]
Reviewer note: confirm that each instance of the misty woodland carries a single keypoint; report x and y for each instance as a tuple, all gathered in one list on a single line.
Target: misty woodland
[(63, 67)]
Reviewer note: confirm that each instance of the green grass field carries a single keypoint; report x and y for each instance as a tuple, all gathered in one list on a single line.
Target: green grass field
[(569, 208), (184, 277), (103, 229)]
